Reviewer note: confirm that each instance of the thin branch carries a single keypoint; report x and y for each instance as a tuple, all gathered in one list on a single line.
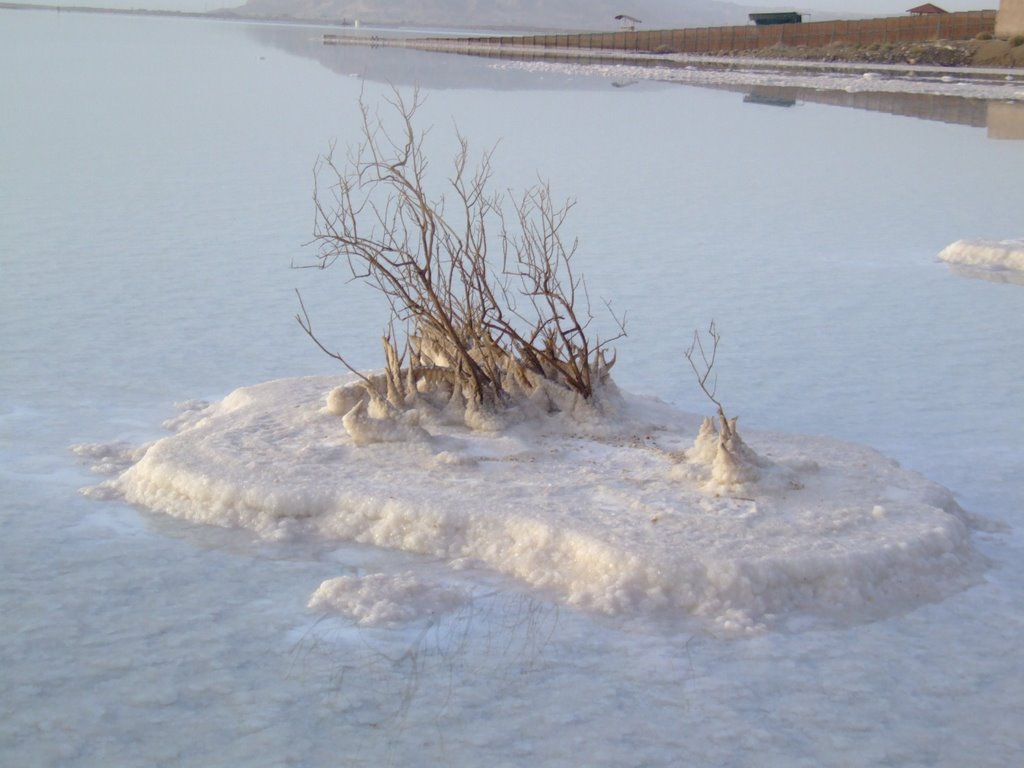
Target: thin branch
[(704, 369), (306, 324)]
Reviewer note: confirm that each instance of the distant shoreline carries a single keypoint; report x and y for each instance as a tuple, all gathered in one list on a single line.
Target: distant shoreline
[(227, 15), (982, 58), (217, 15), (958, 54)]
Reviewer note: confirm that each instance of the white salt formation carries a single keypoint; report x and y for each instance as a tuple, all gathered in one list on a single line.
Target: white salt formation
[(609, 509), (986, 254), (745, 72), (728, 460), (388, 406), (380, 599)]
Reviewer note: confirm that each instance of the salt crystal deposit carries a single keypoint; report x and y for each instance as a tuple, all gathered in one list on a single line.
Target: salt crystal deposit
[(626, 510)]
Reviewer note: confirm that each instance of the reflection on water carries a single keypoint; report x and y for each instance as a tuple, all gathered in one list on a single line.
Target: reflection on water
[(945, 109), (407, 66), (991, 275), (760, 96), (1005, 120), (427, 675)]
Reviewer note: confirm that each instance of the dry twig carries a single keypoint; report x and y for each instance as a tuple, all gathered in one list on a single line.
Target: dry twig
[(492, 325)]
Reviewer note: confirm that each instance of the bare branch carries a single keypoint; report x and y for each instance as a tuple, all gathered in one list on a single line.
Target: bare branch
[(703, 368), (429, 254), (306, 324)]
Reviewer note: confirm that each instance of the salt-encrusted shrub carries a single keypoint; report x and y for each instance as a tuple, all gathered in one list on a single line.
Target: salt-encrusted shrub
[(718, 447), (481, 282)]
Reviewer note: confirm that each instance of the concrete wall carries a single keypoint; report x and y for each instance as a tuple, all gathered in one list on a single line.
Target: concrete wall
[(1010, 19)]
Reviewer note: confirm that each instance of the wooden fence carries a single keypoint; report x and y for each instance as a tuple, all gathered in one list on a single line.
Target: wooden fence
[(896, 29)]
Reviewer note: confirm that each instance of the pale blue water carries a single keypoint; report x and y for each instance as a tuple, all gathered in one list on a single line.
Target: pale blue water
[(155, 182)]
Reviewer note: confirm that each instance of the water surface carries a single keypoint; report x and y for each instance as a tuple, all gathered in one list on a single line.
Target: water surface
[(156, 178)]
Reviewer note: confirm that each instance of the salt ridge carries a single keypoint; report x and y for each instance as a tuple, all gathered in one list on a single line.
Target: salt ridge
[(880, 79)]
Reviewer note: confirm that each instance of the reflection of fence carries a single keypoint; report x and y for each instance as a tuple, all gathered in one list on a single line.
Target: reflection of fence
[(896, 29)]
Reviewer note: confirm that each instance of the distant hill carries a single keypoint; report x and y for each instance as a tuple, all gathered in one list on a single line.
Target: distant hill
[(515, 14)]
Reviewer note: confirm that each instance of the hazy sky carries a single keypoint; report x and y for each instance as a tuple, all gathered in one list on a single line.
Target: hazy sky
[(887, 7), (883, 7)]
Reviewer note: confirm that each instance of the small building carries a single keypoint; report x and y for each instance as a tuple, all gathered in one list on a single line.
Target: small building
[(926, 9), (628, 22), (785, 17)]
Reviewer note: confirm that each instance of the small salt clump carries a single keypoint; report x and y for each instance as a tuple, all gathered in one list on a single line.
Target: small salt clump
[(723, 453)]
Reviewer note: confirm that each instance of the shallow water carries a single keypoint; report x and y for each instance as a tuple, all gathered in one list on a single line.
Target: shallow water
[(156, 179)]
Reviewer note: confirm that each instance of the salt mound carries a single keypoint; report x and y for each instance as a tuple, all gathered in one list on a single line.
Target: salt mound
[(986, 254), (380, 599), (621, 515)]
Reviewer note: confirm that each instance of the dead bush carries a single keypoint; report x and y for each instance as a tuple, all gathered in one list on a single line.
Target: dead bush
[(486, 306)]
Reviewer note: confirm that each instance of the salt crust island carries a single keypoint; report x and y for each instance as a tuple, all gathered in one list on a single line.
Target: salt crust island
[(619, 504), (993, 254), (999, 261)]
